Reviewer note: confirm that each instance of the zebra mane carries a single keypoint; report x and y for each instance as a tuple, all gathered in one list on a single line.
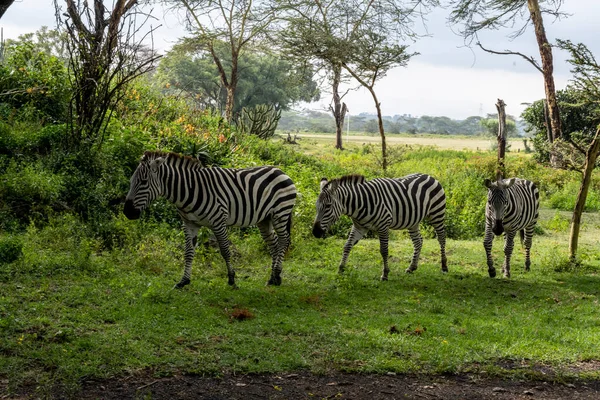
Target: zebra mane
[(152, 155), (353, 179)]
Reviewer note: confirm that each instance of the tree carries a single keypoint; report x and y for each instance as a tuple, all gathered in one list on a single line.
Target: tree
[(580, 146), (479, 15), (104, 55), (237, 23), (313, 35), (264, 78), (586, 74), (360, 37), (373, 55)]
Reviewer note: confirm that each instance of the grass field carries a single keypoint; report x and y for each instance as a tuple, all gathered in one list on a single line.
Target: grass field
[(69, 311), (441, 142)]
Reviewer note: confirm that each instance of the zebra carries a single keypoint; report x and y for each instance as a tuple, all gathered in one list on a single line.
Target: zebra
[(217, 198), (380, 205), (512, 206)]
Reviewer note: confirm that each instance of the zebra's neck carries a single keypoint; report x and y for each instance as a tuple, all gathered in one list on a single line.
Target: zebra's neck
[(182, 180)]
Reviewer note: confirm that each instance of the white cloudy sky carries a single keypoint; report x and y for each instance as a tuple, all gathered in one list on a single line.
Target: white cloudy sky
[(447, 78)]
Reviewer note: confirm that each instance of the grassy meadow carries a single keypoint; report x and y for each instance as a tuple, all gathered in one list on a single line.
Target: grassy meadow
[(73, 308)]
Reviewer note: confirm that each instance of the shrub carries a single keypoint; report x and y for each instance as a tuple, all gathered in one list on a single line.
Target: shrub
[(11, 249)]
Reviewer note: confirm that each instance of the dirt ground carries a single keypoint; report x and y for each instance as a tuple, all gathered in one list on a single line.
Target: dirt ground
[(305, 385)]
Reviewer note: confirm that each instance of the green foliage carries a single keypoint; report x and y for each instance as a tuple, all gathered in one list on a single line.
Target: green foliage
[(490, 126), (566, 196), (34, 85), (29, 191), (264, 78), (11, 249), (576, 119)]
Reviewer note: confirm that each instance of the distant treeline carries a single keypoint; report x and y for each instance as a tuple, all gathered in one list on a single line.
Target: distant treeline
[(316, 121)]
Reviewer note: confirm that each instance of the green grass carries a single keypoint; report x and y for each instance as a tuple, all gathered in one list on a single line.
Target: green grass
[(67, 314), (74, 307)]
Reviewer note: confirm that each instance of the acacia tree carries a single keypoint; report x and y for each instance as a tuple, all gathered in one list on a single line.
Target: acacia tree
[(586, 82), (374, 57), (238, 23), (357, 36), (104, 55), (480, 15), (313, 35)]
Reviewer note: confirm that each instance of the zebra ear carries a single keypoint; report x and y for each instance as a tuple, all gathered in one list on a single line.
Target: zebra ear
[(154, 164), (509, 182), (323, 183), (488, 183)]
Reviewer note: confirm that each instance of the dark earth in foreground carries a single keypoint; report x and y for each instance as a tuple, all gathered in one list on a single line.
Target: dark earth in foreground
[(304, 385)]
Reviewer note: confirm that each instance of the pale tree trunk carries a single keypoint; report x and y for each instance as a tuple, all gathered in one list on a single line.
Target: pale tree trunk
[(384, 159), (590, 162), (501, 139), (548, 71), (338, 109)]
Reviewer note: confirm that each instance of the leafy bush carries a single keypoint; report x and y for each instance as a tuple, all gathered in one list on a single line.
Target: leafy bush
[(34, 84), (29, 191), (11, 249)]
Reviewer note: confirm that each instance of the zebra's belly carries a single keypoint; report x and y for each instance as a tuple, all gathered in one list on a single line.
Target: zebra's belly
[(230, 220)]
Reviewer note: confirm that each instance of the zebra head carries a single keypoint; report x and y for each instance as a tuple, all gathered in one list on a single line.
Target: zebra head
[(498, 202), (328, 208), (145, 186)]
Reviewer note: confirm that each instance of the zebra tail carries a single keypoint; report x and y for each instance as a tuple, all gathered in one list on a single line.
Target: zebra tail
[(522, 236), (289, 232)]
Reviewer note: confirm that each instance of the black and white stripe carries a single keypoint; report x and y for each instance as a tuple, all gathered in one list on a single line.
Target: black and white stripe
[(380, 205), (217, 198), (512, 206)]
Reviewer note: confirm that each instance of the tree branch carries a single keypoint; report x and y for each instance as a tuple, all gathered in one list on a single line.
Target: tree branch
[(513, 53)]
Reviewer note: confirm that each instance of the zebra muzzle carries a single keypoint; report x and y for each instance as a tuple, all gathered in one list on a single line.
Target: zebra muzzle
[(498, 228), (318, 232), (130, 211)]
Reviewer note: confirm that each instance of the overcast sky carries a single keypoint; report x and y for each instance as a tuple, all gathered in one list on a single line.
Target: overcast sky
[(445, 79)]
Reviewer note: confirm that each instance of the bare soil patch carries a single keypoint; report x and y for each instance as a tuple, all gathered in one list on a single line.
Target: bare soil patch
[(304, 385)]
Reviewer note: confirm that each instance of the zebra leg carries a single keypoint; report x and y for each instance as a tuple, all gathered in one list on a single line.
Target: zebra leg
[(488, 240), (440, 232), (268, 235), (220, 232), (417, 239), (527, 241), (384, 236), (281, 226), (191, 240), (509, 244), (355, 235)]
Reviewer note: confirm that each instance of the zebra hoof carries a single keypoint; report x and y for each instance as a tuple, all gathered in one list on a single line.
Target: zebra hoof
[(274, 281), (409, 270), (384, 278), (182, 283), (492, 273)]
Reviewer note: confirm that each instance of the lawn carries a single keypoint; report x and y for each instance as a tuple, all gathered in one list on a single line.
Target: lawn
[(72, 309)]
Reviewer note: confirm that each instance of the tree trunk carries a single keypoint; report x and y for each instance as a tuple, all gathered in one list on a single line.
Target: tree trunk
[(384, 159), (590, 162), (339, 109), (547, 67), (501, 170)]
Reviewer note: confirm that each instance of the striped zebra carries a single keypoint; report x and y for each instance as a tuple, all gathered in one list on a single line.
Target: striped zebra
[(380, 205), (217, 198), (512, 206)]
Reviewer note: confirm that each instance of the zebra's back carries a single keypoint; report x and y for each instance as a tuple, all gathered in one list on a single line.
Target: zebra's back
[(243, 197)]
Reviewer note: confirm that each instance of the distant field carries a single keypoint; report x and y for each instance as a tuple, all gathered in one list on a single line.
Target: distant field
[(442, 142)]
